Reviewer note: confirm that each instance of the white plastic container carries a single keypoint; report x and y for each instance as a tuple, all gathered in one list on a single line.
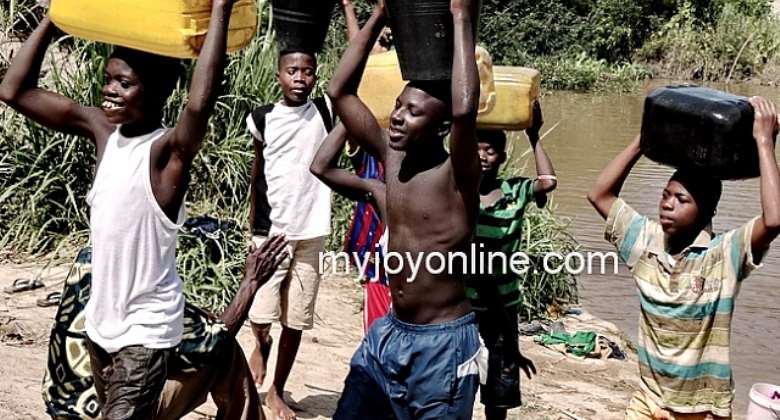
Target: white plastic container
[(762, 406)]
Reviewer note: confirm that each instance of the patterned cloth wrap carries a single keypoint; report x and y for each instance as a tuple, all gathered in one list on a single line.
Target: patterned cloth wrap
[(67, 383), (366, 228)]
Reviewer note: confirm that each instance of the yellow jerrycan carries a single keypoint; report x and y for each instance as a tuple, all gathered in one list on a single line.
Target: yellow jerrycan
[(507, 93), (173, 28)]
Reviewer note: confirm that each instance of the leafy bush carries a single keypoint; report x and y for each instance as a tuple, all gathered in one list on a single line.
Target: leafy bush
[(593, 44), (604, 29), (583, 72), (739, 43)]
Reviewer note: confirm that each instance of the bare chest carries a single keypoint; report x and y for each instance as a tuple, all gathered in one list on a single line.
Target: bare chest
[(426, 212)]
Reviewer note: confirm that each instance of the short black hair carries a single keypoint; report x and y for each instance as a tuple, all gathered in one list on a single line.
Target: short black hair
[(705, 190), (439, 89), (295, 51), (159, 74), (496, 138)]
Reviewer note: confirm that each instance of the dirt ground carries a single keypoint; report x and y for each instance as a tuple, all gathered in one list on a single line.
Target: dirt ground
[(565, 387)]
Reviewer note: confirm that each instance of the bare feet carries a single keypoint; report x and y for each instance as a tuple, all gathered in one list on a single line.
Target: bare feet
[(279, 409), (258, 361)]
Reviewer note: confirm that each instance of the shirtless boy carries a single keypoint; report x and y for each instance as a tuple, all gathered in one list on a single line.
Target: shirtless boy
[(421, 360)]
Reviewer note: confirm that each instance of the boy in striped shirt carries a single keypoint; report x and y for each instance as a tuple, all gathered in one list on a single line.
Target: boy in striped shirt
[(496, 298), (688, 279)]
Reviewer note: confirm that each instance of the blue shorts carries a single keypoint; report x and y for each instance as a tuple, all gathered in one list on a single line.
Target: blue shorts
[(409, 371)]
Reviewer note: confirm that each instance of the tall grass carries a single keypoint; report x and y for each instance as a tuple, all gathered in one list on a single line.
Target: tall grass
[(46, 175), (543, 232), (212, 269), (17, 16)]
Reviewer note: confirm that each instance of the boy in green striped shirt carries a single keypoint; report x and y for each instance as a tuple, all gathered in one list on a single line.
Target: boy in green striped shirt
[(688, 279), (495, 298)]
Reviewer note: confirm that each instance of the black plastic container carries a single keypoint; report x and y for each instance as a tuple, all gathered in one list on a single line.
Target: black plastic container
[(701, 129), (422, 32), (302, 25)]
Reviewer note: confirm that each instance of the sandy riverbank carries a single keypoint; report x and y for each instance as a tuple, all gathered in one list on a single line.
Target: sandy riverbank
[(565, 388)]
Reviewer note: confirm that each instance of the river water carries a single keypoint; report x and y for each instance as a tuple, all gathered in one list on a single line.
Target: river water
[(593, 129)]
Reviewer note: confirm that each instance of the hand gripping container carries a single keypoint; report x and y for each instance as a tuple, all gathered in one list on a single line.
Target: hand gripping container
[(700, 129), (506, 101), (173, 28)]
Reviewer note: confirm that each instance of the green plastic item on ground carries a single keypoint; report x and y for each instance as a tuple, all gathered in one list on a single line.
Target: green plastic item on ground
[(582, 343)]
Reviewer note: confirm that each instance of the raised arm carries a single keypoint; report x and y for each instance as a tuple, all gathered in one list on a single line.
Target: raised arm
[(546, 180), (325, 167), (19, 90), (767, 227), (261, 264), (361, 124), (191, 128), (350, 19), (465, 97), (173, 156), (610, 181)]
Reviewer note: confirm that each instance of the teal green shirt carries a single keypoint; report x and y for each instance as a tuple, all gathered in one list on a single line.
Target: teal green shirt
[(499, 229)]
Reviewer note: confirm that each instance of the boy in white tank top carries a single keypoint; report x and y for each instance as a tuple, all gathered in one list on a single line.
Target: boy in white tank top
[(134, 315)]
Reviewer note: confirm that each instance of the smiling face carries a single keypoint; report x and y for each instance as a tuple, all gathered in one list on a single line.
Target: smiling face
[(123, 93), (417, 116), (297, 76), (678, 210)]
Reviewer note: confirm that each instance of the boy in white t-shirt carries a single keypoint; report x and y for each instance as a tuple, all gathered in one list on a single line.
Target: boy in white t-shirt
[(286, 198)]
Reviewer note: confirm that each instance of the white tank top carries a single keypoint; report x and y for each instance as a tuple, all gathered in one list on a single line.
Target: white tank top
[(136, 296)]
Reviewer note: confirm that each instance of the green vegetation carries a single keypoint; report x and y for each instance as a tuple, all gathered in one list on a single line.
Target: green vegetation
[(542, 292), (213, 269), (543, 232), (741, 42), (611, 44), (46, 175)]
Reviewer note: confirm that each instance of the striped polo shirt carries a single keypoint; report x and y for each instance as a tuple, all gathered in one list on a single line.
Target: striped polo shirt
[(686, 307), (499, 230)]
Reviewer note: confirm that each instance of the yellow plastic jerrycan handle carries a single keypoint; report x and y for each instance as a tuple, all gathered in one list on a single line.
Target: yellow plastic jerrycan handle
[(487, 85)]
